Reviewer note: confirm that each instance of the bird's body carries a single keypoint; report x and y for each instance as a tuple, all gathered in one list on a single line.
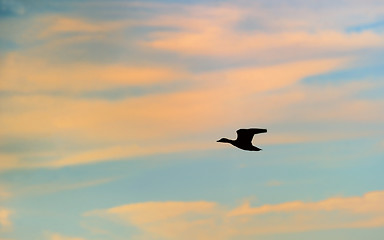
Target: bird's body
[(244, 139)]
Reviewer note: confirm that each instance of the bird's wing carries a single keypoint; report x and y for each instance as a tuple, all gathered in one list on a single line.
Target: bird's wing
[(246, 135)]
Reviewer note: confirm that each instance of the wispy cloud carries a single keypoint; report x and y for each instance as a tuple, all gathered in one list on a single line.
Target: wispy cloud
[(54, 25), (368, 203), (11, 8), (57, 236), (186, 74), (53, 187), (48, 94), (4, 193), (208, 220), (274, 183), (134, 126), (215, 32), (224, 43), (121, 153), (5, 222), (167, 219), (39, 75)]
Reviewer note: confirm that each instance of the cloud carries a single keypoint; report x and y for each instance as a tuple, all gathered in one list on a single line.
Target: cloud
[(209, 220), (207, 98), (167, 219), (4, 193), (56, 236), (53, 187), (367, 204), (122, 152), (156, 123), (5, 222), (216, 32), (274, 183), (53, 25), (238, 30), (39, 75), (47, 95), (144, 213), (251, 80), (96, 154), (11, 9), (224, 43), (252, 16)]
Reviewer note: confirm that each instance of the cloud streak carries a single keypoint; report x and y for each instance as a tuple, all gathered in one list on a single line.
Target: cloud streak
[(208, 220), (215, 32), (56, 236), (50, 96), (225, 43), (5, 222), (133, 127), (39, 75)]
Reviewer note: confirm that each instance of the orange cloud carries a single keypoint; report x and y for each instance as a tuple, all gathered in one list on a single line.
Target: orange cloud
[(56, 236), (222, 43), (40, 75), (273, 183), (4, 193), (267, 78), (199, 18), (144, 213), (157, 123), (120, 152), (213, 32), (52, 25), (167, 219), (53, 187), (155, 114), (10, 161), (208, 220), (369, 203), (5, 222)]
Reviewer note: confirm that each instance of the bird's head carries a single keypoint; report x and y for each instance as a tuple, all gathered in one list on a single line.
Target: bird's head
[(225, 140)]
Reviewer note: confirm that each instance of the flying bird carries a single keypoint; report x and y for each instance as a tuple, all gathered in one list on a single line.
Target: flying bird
[(244, 139)]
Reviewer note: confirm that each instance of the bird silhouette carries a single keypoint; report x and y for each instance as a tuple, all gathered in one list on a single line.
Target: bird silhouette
[(244, 139)]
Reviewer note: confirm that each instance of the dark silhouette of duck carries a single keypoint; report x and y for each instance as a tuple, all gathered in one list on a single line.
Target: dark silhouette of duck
[(244, 139)]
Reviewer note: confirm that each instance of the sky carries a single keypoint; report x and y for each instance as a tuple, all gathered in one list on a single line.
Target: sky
[(110, 112)]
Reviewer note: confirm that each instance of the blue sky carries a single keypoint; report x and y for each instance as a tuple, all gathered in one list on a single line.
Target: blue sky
[(110, 113)]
